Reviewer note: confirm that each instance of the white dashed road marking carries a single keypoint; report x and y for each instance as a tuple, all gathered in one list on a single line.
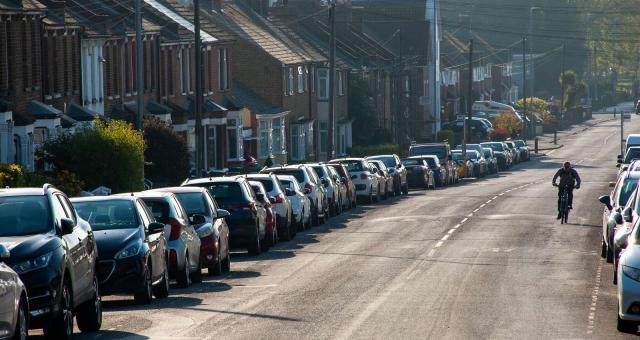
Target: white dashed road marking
[(594, 299)]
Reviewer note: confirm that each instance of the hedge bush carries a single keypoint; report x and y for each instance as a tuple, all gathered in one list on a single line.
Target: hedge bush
[(370, 150), (109, 154), (13, 176), (167, 155)]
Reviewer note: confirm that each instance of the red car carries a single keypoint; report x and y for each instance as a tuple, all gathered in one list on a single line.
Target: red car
[(210, 225), (271, 229)]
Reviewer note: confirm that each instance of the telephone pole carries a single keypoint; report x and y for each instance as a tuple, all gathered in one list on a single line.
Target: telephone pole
[(524, 81), (467, 121), (198, 99), (332, 78), (562, 85), (139, 71)]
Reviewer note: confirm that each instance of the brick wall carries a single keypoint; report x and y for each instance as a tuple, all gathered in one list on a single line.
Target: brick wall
[(62, 66), (259, 71)]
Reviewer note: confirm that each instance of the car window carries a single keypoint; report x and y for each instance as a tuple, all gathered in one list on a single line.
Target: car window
[(109, 214), (180, 212), (389, 161), (26, 215), (194, 203), (142, 214), (315, 179), (226, 192), (354, 166), (626, 189), (266, 182), (633, 153), (297, 173), (159, 209), (411, 162), (437, 150), (66, 205), (145, 210)]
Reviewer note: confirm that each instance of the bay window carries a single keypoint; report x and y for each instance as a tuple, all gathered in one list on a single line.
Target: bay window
[(233, 140), (300, 80), (291, 84), (324, 136)]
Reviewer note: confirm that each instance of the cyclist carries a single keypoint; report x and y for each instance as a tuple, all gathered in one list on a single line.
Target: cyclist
[(569, 179)]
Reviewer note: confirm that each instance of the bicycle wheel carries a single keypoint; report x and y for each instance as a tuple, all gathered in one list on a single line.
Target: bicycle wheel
[(563, 209)]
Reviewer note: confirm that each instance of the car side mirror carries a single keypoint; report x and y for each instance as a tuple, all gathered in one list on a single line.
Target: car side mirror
[(289, 192), (627, 216), (307, 191), (622, 242), (619, 160), (606, 200), (618, 165), (198, 219), (260, 197), (155, 228), (617, 217), (221, 213), (66, 226), (381, 173), (344, 180), (4, 253), (619, 156)]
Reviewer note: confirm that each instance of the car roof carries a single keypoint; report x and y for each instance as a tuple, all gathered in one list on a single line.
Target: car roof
[(177, 190), (348, 159), (148, 194), (634, 174), (430, 144), (380, 156), (103, 198), (422, 156), (22, 192), (259, 176), (206, 180)]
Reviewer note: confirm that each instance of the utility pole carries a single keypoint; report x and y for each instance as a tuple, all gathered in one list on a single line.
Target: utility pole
[(595, 71), (562, 85), (467, 121), (332, 78), (524, 78), (139, 71), (198, 103)]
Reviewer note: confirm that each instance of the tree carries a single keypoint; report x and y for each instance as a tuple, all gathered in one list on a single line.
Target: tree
[(508, 122), (109, 154), (167, 158), (361, 109), (537, 105)]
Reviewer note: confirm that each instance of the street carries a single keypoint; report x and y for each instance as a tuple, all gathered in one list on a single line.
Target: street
[(482, 260)]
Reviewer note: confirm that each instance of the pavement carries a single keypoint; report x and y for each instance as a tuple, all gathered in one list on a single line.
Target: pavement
[(483, 260), (545, 141)]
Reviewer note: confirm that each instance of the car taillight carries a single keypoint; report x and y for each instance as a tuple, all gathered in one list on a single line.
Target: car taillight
[(243, 206), (173, 257), (364, 176), (279, 199), (308, 186), (176, 229)]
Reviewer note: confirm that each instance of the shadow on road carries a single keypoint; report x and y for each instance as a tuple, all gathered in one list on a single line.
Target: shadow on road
[(170, 302), (255, 315)]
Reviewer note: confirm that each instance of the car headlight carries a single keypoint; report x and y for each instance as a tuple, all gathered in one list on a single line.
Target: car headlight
[(204, 232), (33, 264), (128, 251), (633, 273)]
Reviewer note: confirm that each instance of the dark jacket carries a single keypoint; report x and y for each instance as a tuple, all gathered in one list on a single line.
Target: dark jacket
[(570, 178)]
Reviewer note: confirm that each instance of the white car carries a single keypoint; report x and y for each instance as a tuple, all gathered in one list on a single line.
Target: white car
[(386, 178), (300, 203), (629, 283), (364, 177)]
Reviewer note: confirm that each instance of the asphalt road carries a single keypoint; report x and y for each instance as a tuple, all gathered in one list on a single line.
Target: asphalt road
[(482, 260)]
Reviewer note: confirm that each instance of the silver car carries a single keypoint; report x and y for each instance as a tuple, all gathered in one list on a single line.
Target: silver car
[(300, 203), (182, 238), (364, 177), (386, 177), (280, 202), (14, 305), (333, 191)]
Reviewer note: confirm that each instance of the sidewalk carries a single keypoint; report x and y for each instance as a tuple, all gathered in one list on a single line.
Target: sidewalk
[(545, 142)]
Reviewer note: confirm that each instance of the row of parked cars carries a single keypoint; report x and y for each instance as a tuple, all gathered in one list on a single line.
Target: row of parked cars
[(620, 243), (59, 256)]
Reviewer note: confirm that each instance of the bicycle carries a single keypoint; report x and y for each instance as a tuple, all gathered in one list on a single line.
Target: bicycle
[(563, 207)]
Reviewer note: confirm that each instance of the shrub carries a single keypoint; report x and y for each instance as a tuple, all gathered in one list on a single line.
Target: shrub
[(109, 154), (447, 135), (499, 135), (10, 175), (382, 149), (167, 155), (508, 121)]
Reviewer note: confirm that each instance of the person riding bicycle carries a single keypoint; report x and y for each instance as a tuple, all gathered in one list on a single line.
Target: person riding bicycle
[(569, 179)]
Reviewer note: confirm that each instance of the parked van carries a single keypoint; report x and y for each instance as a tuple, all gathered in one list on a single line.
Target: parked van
[(490, 109)]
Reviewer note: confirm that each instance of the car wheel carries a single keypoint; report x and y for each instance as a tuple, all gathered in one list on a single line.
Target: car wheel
[(183, 278), (145, 294), (61, 326), (216, 268), (370, 199), (315, 216), (603, 250), (254, 249), (22, 327), (266, 243), (196, 277), (609, 254), (226, 263), (626, 326), (89, 314), (161, 291), (405, 190)]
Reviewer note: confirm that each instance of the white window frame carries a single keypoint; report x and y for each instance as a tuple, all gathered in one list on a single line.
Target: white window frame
[(297, 140), (237, 127), (291, 83), (323, 83), (213, 153), (300, 80), (264, 132), (340, 84), (323, 132)]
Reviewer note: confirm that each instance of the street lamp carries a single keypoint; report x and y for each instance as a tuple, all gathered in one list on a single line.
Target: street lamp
[(532, 78)]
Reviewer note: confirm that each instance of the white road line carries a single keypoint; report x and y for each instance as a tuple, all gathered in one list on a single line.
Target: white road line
[(445, 237), (439, 244), (483, 205), (457, 226), (494, 197), (464, 220), (501, 194), (594, 299), (431, 252), (475, 211), (451, 231)]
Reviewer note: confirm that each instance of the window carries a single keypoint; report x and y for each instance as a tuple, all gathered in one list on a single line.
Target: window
[(324, 136), (17, 149), (233, 151), (300, 80), (223, 68), (291, 81), (323, 83), (265, 138), (306, 77), (284, 82), (313, 79), (211, 147), (277, 144), (40, 135), (340, 83), (297, 142), (185, 71)]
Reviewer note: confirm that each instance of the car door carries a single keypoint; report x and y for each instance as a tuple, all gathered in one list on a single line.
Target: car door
[(220, 228), (156, 252), (8, 290), (76, 263), (193, 241)]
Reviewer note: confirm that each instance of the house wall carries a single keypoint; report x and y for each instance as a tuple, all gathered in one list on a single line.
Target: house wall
[(61, 66), (257, 70)]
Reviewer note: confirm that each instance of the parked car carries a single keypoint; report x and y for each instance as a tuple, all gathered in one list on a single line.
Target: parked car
[(333, 191), (443, 152), (523, 148), (492, 161), (307, 180), (347, 181), (501, 153), (438, 170), (632, 154), (633, 139), (300, 203), (397, 170), (611, 215), (247, 220), (480, 167), (342, 188), (515, 153), (14, 304), (363, 175), (387, 177), (419, 174), (281, 204), (184, 244), (628, 278), (54, 252), (479, 127), (271, 230), (133, 257), (465, 169), (210, 224)]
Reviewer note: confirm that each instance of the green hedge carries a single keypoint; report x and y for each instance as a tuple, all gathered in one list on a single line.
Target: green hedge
[(370, 150)]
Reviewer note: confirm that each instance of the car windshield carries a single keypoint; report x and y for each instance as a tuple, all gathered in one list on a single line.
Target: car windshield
[(380, 165), (519, 143), (266, 182), (258, 189), (194, 203), (494, 146), (389, 161), (439, 151), (226, 193), (633, 153), (411, 162), (353, 166), (297, 173), (320, 171), (24, 215), (472, 155), (457, 156), (626, 189), (338, 168), (287, 184), (487, 153), (109, 214), (159, 208)]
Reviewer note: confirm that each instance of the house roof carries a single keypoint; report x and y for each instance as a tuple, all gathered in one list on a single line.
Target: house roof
[(80, 113), (21, 5), (107, 17), (180, 20), (243, 97), (206, 23), (40, 110)]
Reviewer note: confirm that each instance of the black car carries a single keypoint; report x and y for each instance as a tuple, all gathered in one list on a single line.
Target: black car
[(419, 174), (247, 222), (132, 251), (54, 252)]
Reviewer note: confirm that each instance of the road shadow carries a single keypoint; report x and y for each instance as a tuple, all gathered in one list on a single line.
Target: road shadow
[(128, 305), (239, 274), (103, 334), (254, 315)]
